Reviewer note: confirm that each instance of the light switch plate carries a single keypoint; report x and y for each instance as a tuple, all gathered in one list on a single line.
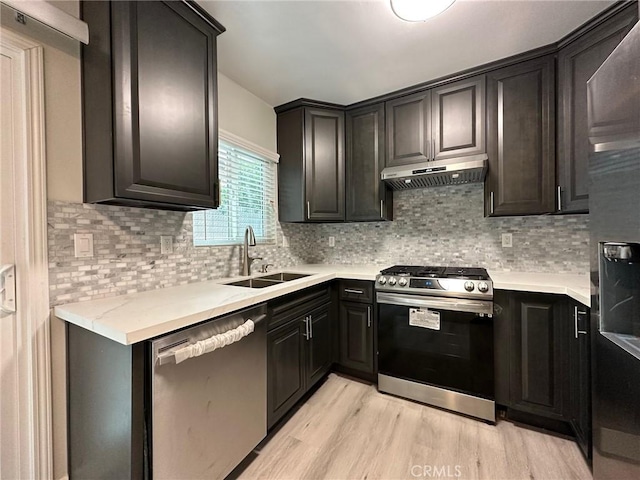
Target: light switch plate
[(332, 241), (83, 245), (507, 240)]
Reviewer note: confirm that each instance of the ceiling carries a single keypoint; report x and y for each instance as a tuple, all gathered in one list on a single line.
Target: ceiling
[(351, 50)]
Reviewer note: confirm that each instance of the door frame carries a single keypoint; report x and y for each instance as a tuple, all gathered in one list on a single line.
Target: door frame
[(32, 274)]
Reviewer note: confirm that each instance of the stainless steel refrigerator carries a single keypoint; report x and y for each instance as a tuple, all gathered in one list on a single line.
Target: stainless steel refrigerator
[(614, 205)]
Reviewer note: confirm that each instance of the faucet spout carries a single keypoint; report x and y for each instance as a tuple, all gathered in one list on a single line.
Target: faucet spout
[(249, 241)]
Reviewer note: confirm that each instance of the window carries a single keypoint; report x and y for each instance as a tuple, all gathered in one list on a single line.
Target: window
[(247, 176)]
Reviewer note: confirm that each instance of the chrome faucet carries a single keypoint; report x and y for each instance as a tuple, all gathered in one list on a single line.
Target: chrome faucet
[(249, 241)]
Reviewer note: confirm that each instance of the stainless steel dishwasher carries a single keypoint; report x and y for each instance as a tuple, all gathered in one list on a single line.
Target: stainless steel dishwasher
[(209, 408)]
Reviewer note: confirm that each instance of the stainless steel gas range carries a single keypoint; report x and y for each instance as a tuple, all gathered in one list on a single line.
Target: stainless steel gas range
[(435, 337)]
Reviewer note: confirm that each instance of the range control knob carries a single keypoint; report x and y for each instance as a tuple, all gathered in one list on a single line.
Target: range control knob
[(402, 282), (483, 287), (469, 286), (382, 280), (392, 281)]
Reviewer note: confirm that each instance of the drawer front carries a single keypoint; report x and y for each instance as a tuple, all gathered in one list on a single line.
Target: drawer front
[(356, 291), (285, 309)]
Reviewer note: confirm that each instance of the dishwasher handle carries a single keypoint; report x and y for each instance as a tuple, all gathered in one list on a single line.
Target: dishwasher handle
[(180, 352)]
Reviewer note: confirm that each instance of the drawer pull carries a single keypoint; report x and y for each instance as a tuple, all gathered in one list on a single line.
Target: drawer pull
[(353, 290)]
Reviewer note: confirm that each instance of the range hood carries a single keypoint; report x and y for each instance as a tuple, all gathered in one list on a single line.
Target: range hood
[(453, 171)]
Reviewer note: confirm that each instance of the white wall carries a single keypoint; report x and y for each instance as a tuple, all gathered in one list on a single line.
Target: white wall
[(240, 112)]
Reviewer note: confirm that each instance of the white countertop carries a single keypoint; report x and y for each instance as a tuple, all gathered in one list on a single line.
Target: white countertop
[(575, 286), (128, 319)]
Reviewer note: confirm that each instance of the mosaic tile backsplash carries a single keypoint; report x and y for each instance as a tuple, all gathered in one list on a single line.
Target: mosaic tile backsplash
[(443, 225)]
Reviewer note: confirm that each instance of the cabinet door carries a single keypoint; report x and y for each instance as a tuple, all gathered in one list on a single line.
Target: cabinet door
[(539, 345), (502, 322), (319, 345), (577, 62), (165, 121), (580, 376), (356, 336), (520, 139), (458, 113), (367, 196), (324, 164), (285, 369), (409, 129)]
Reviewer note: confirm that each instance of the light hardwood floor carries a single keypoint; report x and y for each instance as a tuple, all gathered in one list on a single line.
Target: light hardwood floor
[(348, 430)]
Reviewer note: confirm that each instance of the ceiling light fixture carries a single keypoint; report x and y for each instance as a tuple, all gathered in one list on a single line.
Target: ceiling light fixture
[(419, 10)]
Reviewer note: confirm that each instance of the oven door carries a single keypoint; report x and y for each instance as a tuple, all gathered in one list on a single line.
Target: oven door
[(444, 342)]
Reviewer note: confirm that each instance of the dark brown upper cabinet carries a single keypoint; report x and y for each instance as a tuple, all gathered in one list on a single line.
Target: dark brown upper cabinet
[(444, 122), (577, 62), (521, 139), (458, 118), (311, 171), (367, 197), (409, 129), (150, 105)]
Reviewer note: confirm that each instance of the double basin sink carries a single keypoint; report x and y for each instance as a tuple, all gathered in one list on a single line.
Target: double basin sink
[(268, 280)]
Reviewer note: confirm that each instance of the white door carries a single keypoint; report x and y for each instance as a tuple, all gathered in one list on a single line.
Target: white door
[(25, 432), (9, 406)]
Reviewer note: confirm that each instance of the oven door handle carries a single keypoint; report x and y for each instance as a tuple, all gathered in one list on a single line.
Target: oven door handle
[(452, 304)]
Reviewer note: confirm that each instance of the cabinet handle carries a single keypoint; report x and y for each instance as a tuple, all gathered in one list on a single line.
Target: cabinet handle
[(559, 198), (308, 211), (310, 327), (491, 203), (575, 321), (306, 328), (381, 208), (353, 290), (368, 317)]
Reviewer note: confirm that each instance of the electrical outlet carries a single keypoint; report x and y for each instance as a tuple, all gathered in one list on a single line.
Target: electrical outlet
[(83, 245), (332, 241), (166, 244), (507, 240)]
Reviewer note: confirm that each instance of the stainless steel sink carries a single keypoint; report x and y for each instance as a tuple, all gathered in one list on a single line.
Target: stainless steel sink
[(254, 283), (267, 280), (284, 276)]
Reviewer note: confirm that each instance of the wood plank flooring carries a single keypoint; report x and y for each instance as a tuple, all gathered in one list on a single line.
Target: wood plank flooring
[(348, 430)]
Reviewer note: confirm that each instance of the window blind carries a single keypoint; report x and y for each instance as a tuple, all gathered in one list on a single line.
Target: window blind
[(247, 197)]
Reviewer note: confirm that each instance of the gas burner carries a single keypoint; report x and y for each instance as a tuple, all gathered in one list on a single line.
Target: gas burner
[(466, 273)]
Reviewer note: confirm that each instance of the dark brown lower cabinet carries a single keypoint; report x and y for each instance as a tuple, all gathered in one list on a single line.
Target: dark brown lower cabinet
[(299, 353), (356, 336), (580, 376), (542, 361), (539, 361), (285, 369), (319, 345)]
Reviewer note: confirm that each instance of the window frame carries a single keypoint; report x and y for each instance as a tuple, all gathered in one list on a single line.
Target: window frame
[(264, 154)]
